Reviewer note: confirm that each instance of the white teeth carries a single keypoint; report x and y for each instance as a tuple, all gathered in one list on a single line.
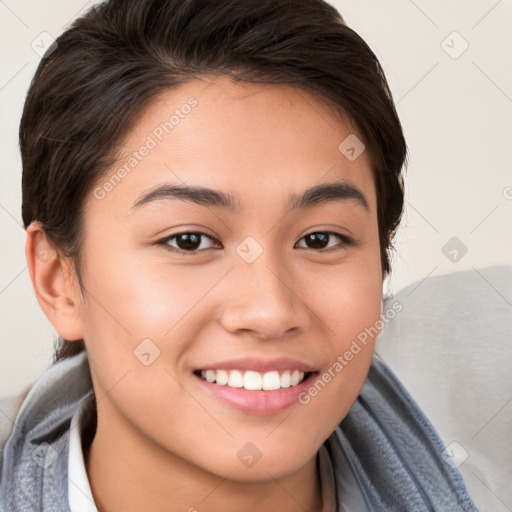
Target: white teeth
[(271, 381), (210, 375), (222, 377), (236, 379), (254, 381), (286, 381)]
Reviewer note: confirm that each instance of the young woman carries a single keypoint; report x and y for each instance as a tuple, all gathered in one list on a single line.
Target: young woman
[(210, 191)]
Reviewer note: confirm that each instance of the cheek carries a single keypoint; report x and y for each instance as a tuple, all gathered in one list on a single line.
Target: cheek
[(141, 297), (136, 306), (347, 297), (354, 307), (348, 302)]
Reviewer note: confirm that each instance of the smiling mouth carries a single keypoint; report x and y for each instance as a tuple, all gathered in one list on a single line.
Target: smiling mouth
[(254, 381)]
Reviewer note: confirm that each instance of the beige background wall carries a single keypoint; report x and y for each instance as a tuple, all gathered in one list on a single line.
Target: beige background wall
[(455, 104)]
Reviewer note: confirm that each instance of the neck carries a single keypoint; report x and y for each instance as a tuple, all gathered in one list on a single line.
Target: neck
[(127, 471)]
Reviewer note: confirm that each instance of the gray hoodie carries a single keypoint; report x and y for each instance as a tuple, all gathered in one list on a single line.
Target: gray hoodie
[(395, 455)]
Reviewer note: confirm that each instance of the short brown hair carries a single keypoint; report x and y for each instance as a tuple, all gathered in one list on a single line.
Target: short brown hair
[(122, 53)]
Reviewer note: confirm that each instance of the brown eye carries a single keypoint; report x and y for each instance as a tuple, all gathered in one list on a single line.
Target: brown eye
[(319, 240), (189, 242)]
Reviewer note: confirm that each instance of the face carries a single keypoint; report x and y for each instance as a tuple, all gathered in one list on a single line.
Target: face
[(253, 283)]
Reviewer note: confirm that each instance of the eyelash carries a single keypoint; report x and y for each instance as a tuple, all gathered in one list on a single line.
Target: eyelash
[(347, 241)]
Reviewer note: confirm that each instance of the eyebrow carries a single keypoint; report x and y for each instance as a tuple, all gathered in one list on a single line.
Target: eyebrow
[(319, 194)]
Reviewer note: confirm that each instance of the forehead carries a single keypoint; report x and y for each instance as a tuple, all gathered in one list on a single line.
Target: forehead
[(252, 141)]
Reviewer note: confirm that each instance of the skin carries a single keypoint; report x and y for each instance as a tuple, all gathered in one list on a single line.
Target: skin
[(161, 439)]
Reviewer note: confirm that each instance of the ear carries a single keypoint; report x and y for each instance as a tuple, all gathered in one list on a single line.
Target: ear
[(55, 283)]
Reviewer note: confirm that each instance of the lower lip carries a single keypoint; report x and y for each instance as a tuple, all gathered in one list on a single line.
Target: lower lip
[(257, 402)]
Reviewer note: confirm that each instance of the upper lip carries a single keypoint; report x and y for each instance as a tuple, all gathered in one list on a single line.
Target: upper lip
[(261, 365)]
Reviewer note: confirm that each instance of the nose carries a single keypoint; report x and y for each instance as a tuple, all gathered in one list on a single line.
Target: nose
[(264, 300)]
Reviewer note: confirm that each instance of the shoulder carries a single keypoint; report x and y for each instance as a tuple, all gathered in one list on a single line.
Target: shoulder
[(9, 407), (55, 394), (36, 428)]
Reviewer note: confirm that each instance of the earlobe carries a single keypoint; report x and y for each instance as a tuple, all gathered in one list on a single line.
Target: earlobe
[(54, 283)]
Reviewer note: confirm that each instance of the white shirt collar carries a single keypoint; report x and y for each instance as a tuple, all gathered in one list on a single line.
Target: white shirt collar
[(79, 490)]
